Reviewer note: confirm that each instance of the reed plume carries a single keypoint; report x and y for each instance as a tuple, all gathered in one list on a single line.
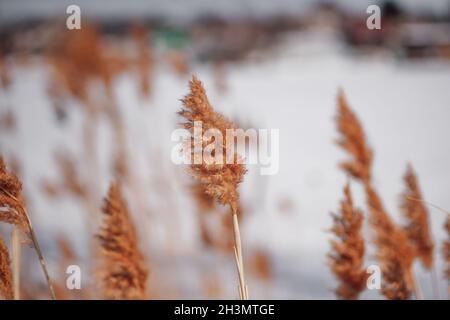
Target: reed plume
[(394, 286), (347, 256), (353, 141), (416, 213), (446, 252), (123, 273), (6, 287), (15, 213), (391, 241), (261, 265), (220, 180), (394, 250), (11, 199), (144, 58)]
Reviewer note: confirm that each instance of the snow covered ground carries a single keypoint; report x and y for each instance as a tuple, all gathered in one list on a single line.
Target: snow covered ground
[(404, 107)]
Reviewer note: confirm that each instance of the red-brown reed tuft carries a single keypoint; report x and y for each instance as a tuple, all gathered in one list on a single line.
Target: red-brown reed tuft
[(394, 249), (347, 255), (391, 241), (261, 265), (12, 200), (446, 251), (220, 180), (416, 213), (6, 287), (144, 59), (394, 286), (353, 141), (123, 273)]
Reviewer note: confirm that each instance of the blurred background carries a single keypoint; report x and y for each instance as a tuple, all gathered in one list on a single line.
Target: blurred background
[(81, 108)]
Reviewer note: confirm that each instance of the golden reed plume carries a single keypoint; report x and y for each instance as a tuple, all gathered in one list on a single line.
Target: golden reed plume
[(416, 213), (347, 256), (220, 180), (123, 273), (6, 287), (353, 141), (446, 252), (394, 250), (394, 286), (12, 200), (144, 60)]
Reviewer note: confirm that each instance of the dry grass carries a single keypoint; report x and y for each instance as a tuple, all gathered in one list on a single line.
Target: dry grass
[(144, 61), (416, 213), (219, 180), (353, 141), (6, 286), (347, 256), (446, 252), (123, 274), (394, 251), (12, 200), (394, 286)]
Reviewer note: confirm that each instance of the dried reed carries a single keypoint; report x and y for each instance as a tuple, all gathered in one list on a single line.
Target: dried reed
[(446, 252), (144, 59), (123, 272), (220, 180), (394, 250), (261, 265), (6, 286), (11, 199), (416, 213), (391, 241), (353, 141), (394, 286), (347, 256)]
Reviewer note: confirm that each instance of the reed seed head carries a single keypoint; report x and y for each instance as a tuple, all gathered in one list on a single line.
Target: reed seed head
[(353, 141), (220, 180), (416, 214), (6, 288), (123, 272), (347, 255)]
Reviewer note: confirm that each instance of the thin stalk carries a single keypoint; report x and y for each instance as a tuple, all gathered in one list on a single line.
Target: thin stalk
[(16, 252), (243, 291)]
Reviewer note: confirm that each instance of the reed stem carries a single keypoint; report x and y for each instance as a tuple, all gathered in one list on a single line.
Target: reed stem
[(16, 253), (243, 290)]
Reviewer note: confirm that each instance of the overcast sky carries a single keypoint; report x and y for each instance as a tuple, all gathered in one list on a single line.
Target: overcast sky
[(186, 9)]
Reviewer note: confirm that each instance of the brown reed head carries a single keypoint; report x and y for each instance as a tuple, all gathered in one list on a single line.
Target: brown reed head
[(76, 59), (446, 251), (261, 265), (347, 255), (394, 286), (11, 199), (71, 180), (220, 180), (391, 241), (416, 213), (123, 273), (6, 288), (353, 141), (144, 60)]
